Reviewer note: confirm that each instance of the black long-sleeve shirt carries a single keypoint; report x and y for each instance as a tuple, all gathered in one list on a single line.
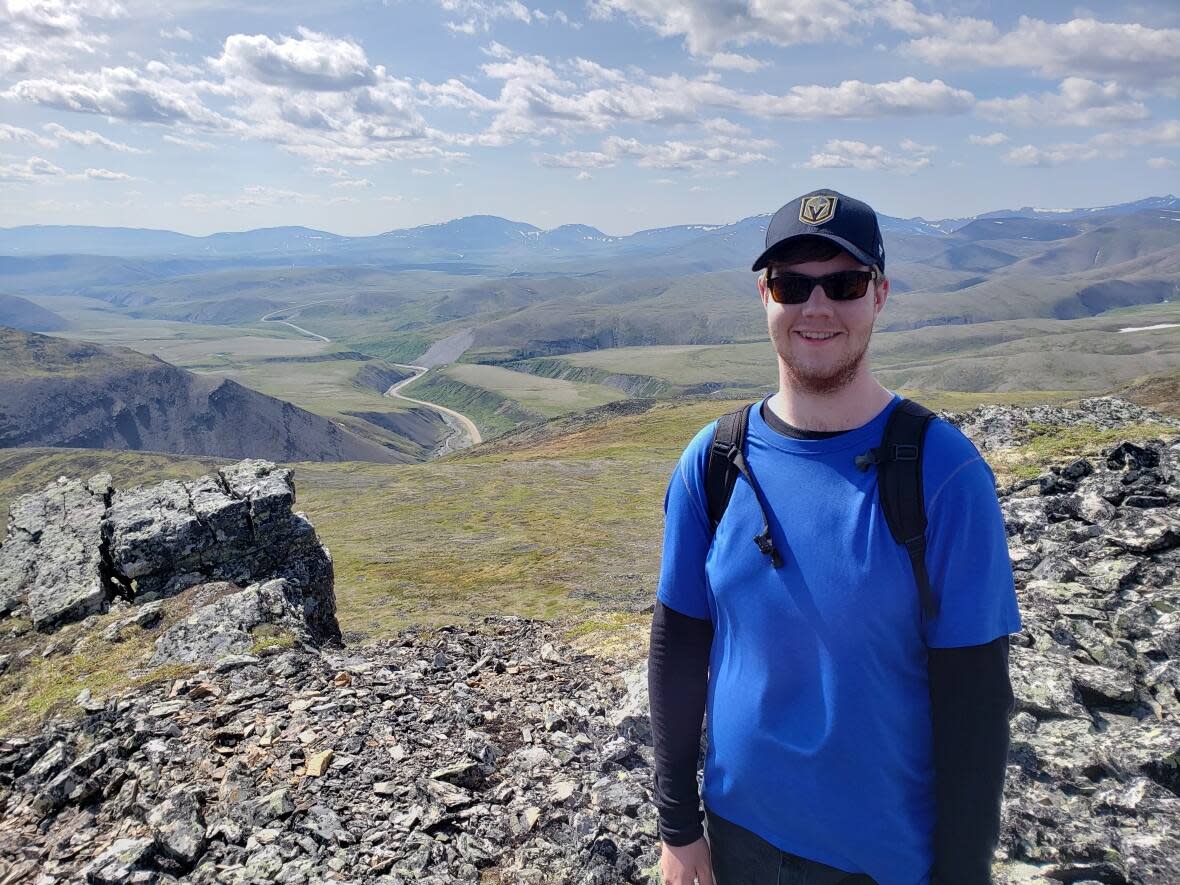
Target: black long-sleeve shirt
[(971, 700)]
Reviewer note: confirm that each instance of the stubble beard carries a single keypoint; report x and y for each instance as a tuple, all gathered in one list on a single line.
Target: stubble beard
[(828, 381)]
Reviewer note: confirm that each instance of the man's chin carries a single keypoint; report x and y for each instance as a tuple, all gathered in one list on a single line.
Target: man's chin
[(822, 381)]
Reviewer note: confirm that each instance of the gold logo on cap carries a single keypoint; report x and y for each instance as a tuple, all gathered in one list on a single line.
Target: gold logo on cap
[(817, 210)]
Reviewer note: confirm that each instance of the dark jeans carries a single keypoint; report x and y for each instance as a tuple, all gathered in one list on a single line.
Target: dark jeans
[(743, 858)]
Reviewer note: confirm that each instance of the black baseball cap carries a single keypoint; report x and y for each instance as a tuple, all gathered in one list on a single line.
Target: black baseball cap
[(848, 223)]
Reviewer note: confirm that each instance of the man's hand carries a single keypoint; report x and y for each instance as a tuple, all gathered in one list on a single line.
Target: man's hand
[(686, 864)]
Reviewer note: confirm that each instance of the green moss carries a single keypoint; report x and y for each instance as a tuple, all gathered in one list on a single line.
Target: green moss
[(268, 637)]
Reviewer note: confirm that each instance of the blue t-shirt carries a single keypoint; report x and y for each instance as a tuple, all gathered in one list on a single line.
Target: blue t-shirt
[(820, 737)]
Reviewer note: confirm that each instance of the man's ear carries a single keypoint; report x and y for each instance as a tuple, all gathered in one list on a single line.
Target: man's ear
[(881, 293), (762, 290)]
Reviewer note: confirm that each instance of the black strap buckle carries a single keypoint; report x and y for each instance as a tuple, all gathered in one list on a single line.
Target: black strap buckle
[(905, 453)]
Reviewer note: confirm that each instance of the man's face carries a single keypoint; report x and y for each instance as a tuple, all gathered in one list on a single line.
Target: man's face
[(822, 343)]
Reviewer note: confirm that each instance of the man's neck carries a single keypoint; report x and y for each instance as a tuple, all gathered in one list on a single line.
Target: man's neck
[(853, 405)]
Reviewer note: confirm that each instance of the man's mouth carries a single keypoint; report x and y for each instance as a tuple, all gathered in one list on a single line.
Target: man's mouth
[(817, 336)]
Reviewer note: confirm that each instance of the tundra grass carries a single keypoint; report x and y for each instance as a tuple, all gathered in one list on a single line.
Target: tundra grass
[(327, 388), (547, 397)]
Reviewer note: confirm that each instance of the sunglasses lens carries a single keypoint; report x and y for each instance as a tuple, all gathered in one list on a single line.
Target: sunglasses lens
[(791, 288), (847, 285)]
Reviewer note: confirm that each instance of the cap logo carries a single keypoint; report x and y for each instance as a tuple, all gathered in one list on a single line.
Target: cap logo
[(817, 210)]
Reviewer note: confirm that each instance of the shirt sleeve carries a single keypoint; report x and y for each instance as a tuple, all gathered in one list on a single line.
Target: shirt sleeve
[(970, 701), (967, 546), (678, 674), (688, 534)]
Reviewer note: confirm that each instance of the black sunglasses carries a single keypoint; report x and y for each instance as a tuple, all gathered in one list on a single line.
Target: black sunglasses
[(843, 285)]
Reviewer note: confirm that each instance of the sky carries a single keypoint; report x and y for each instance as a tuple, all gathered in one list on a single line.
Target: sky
[(362, 117)]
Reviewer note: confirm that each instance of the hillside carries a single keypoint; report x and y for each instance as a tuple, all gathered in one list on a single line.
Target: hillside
[(55, 392), (20, 313)]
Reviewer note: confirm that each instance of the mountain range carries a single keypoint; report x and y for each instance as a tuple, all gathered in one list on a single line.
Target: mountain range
[(489, 238)]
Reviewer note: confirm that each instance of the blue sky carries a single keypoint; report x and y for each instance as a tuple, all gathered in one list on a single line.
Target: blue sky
[(624, 114)]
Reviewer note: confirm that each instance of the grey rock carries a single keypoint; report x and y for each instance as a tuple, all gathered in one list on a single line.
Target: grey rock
[(1104, 682), (323, 823), (119, 863), (51, 559), (178, 825)]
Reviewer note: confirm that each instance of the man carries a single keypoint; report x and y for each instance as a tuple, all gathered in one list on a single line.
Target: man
[(850, 738)]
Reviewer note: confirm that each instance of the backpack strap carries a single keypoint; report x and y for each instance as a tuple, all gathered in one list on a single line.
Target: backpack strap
[(726, 461), (899, 482)]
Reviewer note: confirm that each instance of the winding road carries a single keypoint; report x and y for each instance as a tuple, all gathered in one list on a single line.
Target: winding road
[(464, 428), (465, 425)]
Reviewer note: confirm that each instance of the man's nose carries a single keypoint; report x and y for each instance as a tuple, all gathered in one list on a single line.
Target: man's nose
[(817, 301)]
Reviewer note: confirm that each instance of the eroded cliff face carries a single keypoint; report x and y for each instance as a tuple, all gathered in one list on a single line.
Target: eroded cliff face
[(78, 548), (75, 395), (496, 753)]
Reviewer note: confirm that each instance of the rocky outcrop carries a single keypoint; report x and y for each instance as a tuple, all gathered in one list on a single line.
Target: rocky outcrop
[(1093, 788), (51, 560), (1000, 426), (464, 755), (76, 548)]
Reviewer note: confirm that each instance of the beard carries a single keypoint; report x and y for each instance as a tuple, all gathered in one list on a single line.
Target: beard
[(822, 381)]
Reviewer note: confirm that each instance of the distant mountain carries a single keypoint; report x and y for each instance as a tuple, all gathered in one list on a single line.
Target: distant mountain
[(56, 392), (20, 313), (1166, 202), (489, 244), (139, 242)]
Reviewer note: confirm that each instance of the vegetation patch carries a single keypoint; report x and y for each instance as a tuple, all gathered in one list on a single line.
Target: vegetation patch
[(1053, 443), (269, 638)]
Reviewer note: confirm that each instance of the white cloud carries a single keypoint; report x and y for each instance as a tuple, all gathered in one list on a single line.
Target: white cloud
[(1054, 155), (1077, 102), (1080, 47), (106, 175), (478, 15), (177, 34), (539, 98), (843, 154), (88, 138), (252, 196), (9, 132), (732, 61), (579, 160), (311, 62), (1160, 163), (707, 25), (854, 98), (39, 34), (908, 144), (990, 140), (583, 176), (30, 170), (678, 154), (656, 155), (192, 143), (343, 177), (1166, 133), (120, 93)]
